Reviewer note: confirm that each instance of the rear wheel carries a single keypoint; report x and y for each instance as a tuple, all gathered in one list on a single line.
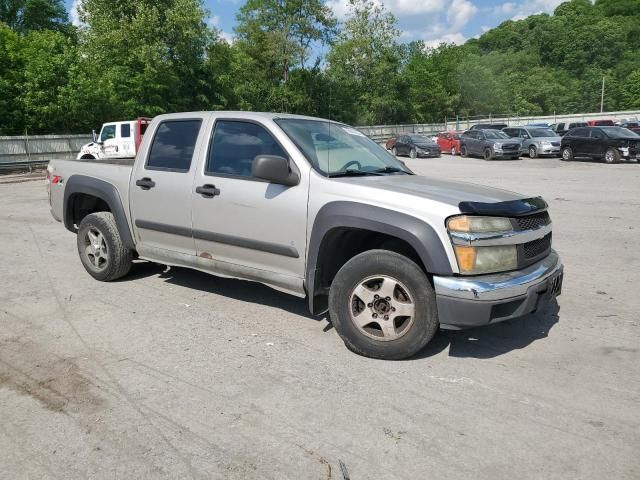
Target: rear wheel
[(101, 249), (413, 153), (383, 306), (533, 152), (488, 154), (453, 151), (567, 154), (394, 151), (612, 156)]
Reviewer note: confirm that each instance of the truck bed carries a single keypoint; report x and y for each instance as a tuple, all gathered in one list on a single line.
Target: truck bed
[(111, 161)]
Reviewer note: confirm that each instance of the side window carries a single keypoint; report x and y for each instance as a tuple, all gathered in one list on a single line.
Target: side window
[(108, 132), (173, 145), (125, 130), (235, 144), (508, 131), (596, 133), (580, 132), (560, 126)]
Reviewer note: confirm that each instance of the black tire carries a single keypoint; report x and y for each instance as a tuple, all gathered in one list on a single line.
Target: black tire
[(413, 153), (394, 151), (87, 157), (118, 257), (566, 154), (487, 154), (533, 152), (611, 156), (423, 324), (463, 151)]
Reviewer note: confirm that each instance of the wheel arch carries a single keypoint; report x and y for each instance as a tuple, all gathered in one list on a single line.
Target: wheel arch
[(342, 230), (105, 197)]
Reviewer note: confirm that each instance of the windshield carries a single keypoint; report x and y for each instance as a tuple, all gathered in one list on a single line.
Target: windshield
[(420, 139), (618, 132), (542, 132), (493, 134), (334, 148)]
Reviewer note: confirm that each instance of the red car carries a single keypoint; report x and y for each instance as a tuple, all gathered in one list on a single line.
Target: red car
[(449, 142), (600, 123), (390, 143)]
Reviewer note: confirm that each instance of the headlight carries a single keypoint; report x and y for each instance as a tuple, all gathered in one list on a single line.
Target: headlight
[(497, 146), (546, 144), (624, 151), (474, 260), (469, 224)]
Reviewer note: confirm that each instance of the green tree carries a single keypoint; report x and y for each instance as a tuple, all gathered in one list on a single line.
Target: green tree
[(365, 61), (26, 15)]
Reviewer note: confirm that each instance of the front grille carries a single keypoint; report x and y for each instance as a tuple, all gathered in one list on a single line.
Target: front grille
[(537, 247), (555, 144), (510, 146), (532, 222)]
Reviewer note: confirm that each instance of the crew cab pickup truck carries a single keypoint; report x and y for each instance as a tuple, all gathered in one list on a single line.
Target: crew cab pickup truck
[(314, 208)]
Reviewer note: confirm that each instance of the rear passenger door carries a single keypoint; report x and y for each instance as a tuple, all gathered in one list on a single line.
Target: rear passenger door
[(160, 193), (579, 141)]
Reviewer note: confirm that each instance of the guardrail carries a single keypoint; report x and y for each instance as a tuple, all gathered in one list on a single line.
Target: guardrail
[(34, 150)]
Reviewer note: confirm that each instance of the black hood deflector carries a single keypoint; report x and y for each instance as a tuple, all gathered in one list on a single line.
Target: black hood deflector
[(511, 208)]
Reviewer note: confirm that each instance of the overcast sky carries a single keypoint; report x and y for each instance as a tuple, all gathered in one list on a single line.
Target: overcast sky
[(433, 21)]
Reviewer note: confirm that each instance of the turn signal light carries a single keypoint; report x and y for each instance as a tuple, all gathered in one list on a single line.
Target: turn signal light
[(466, 257)]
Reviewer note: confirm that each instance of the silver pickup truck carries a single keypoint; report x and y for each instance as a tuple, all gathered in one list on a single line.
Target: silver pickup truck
[(314, 208)]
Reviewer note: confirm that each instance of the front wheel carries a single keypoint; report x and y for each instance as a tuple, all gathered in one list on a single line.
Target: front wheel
[(533, 153), (488, 155), (383, 306), (567, 154), (612, 156), (102, 252)]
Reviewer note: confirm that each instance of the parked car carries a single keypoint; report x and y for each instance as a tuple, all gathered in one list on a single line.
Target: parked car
[(450, 141), (610, 144), (116, 140), (540, 125), (489, 144), (535, 141), (392, 256), (390, 143), (600, 123), (563, 127), (416, 146), (489, 126), (633, 126)]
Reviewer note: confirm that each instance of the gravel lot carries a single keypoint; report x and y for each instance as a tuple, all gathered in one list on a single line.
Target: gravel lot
[(172, 373)]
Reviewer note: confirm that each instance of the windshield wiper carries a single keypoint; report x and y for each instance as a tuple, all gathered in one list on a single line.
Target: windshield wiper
[(352, 173), (390, 170)]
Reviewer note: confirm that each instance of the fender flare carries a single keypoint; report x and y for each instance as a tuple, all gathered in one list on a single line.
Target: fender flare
[(420, 235), (104, 191)]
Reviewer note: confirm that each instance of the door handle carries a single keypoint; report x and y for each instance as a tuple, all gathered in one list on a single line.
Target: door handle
[(145, 183), (208, 191)]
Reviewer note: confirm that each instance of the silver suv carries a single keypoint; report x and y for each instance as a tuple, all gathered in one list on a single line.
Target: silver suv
[(535, 141)]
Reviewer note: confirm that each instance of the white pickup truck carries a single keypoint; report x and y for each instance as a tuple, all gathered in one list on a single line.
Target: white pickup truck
[(314, 208), (116, 140)]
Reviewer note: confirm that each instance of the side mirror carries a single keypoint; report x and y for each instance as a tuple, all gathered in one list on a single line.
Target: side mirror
[(275, 169), (94, 137)]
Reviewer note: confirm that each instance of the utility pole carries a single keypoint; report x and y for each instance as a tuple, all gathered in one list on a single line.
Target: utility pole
[(602, 97)]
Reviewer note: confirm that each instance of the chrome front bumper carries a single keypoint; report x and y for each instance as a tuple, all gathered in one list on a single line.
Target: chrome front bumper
[(465, 302)]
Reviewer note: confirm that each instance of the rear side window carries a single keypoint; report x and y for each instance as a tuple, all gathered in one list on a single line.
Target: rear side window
[(579, 132), (597, 133), (235, 144), (125, 130), (173, 145)]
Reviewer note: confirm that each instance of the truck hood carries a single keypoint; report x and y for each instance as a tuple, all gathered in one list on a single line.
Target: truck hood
[(443, 191)]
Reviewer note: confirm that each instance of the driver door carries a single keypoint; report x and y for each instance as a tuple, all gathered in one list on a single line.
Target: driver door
[(243, 224), (108, 140)]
